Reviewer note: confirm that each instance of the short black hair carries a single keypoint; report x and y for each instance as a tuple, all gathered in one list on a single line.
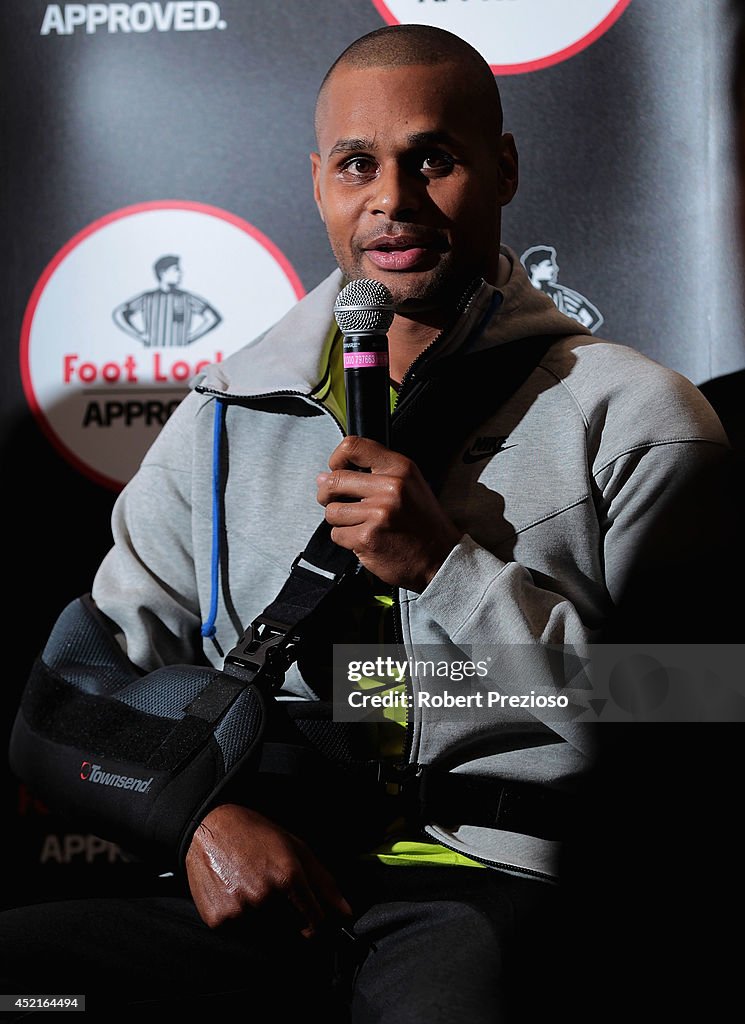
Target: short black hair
[(538, 254), (401, 45), (160, 266)]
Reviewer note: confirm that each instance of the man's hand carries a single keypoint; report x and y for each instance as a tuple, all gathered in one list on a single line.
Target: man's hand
[(239, 860), (388, 517)]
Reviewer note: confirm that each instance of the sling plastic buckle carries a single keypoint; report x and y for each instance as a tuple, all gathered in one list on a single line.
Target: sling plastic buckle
[(267, 646)]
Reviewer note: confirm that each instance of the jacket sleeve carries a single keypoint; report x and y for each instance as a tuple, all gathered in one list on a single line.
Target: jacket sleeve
[(644, 493), (655, 519), (146, 583)]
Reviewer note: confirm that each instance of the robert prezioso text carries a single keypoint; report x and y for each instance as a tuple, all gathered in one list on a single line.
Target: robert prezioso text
[(425, 699), (394, 672)]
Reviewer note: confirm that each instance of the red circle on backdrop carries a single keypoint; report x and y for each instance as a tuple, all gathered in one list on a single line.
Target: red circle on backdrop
[(542, 62), (28, 319)]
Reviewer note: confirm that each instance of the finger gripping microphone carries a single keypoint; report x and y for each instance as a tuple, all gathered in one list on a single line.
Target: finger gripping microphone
[(364, 312)]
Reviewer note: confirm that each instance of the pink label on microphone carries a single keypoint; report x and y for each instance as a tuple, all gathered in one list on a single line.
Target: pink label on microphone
[(354, 360)]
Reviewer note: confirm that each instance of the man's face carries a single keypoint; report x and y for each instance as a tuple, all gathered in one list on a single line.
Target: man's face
[(410, 179), (172, 275)]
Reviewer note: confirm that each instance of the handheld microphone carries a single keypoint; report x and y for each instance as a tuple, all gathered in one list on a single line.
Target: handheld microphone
[(364, 312)]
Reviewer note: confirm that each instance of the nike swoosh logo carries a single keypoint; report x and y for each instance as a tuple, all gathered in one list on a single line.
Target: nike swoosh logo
[(472, 456)]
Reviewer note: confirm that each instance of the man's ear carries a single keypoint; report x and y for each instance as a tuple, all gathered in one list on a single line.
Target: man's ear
[(508, 169), (315, 163)]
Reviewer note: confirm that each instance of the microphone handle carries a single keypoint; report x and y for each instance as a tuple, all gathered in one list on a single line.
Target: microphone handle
[(366, 377)]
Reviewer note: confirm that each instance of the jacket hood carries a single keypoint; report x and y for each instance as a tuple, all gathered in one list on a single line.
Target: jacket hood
[(291, 357)]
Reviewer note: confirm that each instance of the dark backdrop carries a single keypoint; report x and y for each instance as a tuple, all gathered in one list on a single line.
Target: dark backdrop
[(626, 171)]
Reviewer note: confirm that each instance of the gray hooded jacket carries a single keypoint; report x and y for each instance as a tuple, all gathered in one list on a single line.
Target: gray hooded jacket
[(551, 517)]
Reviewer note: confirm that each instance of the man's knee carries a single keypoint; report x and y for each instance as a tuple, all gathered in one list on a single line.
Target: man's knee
[(425, 957)]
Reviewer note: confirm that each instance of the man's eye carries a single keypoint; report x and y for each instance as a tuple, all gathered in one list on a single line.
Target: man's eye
[(438, 163), (359, 167)]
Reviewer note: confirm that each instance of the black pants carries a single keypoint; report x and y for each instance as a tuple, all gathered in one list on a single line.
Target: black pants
[(434, 945)]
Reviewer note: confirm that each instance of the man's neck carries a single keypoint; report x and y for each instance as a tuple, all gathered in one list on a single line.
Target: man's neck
[(409, 336), (407, 339)]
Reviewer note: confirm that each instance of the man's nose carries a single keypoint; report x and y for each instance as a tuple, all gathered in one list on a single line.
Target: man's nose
[(397, 193)]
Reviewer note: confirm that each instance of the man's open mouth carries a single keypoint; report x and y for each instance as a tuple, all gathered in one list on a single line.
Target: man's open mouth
[(402, 252)]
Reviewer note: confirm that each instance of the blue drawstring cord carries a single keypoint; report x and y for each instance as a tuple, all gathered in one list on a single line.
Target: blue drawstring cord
[(208, 627)]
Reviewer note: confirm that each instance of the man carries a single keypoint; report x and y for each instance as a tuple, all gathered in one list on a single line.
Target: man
[(527, 542), (543, 269), (167, 315)]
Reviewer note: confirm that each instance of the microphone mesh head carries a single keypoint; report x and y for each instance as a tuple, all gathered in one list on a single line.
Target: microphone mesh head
[(364, 307)]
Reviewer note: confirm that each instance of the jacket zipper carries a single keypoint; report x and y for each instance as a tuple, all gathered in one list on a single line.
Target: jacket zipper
[(462, 309), (272, 394)]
